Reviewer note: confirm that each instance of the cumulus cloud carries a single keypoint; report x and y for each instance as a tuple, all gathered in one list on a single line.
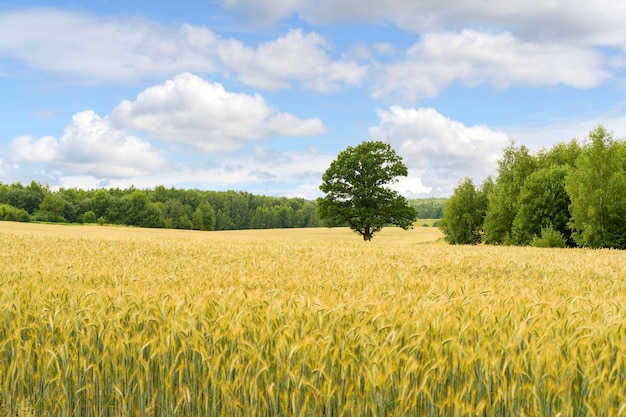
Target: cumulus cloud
[(296, 56), (119, 50), (187, 109), (88, 146), (437, 150), (473, 58)]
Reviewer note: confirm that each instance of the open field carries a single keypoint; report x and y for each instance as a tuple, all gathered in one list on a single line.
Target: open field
[(107, 321)]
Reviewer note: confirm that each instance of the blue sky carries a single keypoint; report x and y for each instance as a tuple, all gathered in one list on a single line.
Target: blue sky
[(261, 96)]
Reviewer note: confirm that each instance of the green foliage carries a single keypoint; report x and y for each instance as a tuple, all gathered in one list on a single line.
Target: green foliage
[(89, 217), (13, 214), (26, 198), (100, 202), (429, 208), (564, 153), (204, 217), (550, 238), (568, 193), (175, 214), (356, 190), (161, 207), (463, 215), (53, 206), (513, 169), (542, 201), (597, 188)]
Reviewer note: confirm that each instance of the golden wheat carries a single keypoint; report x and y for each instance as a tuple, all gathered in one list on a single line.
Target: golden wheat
[(99, 321)]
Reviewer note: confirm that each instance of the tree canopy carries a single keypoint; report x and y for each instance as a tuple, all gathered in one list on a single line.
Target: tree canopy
[(357, 193), (597, 187), (464, 213)]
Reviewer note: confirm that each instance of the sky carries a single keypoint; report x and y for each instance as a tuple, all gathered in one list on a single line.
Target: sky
[(261, 96)]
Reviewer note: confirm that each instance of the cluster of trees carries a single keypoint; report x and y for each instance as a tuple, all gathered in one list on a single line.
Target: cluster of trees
[(159, 207), (429, 208), (569, 195)]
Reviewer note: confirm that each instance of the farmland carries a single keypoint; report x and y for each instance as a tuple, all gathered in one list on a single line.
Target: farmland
[(108, 321)]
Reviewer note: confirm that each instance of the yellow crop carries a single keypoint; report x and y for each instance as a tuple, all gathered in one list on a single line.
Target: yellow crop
[(103, 321)]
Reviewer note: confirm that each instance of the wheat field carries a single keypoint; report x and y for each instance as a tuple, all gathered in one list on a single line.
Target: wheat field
[(106, 321)]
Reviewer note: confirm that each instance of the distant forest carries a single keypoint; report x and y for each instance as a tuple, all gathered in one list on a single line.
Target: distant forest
[(163, 207), (429, 208)]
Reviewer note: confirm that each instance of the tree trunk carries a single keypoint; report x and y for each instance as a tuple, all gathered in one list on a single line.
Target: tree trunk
[(367, 234)]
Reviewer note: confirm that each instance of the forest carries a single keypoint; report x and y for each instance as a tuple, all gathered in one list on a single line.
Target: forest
[(163, 207), (159, 207), (571, 195)]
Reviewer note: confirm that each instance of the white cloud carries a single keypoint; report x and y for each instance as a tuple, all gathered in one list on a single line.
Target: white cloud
[(438, 151), (473, 58), (190, 110), (597, 22), (96, 151), (295, 56), (89, 146), (91, 49)]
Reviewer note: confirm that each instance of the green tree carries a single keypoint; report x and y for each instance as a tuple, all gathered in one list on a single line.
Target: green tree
[(463, 214), (542, 203), (89, 217), (177, 215), (151, 217), (597, 189), (13, 214), (356, 190), (143, 213), (306, 216), (27, 198), (117, 210), (513, 169), (53, 206), (563, 153), (262, 218), (100, 202), (223, 221), (138, 202), (204, 217)]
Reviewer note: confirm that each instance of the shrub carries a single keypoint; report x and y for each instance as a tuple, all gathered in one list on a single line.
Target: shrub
[(13, 214), (550, 238), (89, 217)]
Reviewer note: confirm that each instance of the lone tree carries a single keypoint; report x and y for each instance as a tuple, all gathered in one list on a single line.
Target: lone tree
[(356, 192)]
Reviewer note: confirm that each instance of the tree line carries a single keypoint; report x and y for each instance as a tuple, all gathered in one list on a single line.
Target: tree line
[(429, 208), (160, 207), (163, 207), (573, 194)]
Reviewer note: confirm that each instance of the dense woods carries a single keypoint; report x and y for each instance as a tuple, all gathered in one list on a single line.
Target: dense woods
[(573, 194), (429, 208), (158, 207)]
